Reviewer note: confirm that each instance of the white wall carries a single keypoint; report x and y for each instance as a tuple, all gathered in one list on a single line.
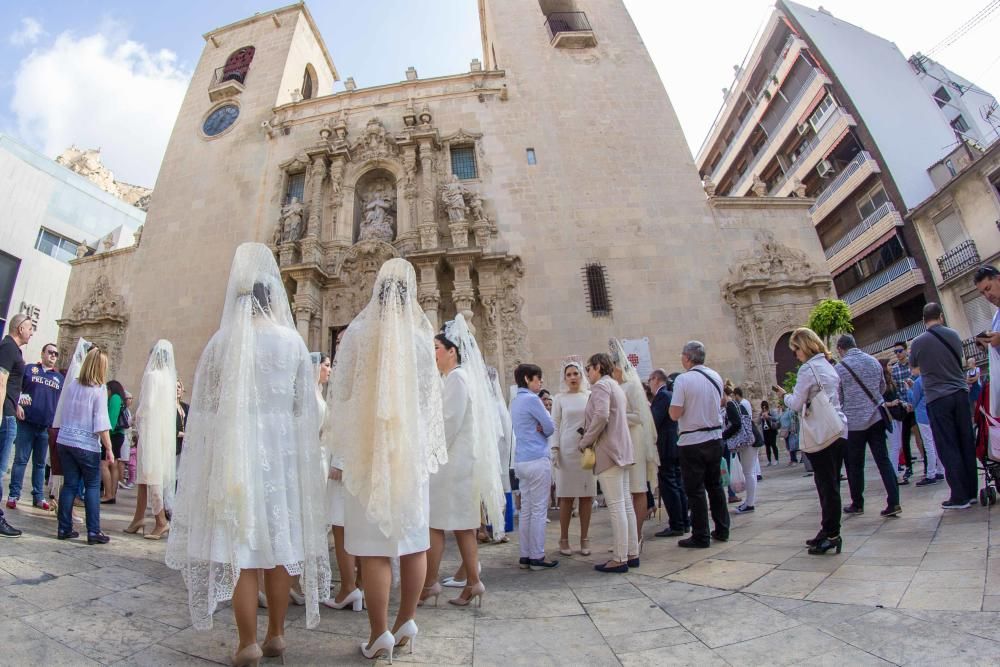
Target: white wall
[(35, 192), (969, 104), (907, 125)]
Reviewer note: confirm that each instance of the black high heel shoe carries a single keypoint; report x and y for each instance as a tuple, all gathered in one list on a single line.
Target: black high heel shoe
[(826, 544), (816, 540)]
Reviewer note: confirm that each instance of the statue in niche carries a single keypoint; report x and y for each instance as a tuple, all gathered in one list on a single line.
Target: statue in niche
[(377, 221), (453, 195), (290, 224), (476, 207)]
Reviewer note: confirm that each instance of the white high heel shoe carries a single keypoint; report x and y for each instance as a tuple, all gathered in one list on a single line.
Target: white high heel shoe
[(381, 646), (452, 582), (355, 598), (297, 598), (407, 635)]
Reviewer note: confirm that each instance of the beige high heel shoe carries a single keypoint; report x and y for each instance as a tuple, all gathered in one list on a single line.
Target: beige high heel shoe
[(248, 657), (476, 592), (430, 592), (585, 547), (274, 648)]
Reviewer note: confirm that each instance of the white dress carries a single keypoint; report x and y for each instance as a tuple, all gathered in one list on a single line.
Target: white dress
[(637, 474), (334, 487), (572, 481), (454, 499)]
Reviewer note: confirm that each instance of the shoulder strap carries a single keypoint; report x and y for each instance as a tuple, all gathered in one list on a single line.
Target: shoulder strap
[(947, 345), (709, 378), (860, 383)]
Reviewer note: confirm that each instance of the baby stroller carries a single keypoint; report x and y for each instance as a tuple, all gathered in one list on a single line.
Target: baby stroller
[(991, 468)]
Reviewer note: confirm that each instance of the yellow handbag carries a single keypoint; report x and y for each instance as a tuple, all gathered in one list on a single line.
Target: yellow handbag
[(588, 458)]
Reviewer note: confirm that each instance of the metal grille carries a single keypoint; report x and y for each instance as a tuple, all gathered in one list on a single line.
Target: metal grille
[(463, 162), (595, 276), (296, 187), (963, 257), (558, 22)]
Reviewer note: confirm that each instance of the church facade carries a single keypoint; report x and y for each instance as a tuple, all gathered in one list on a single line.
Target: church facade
[(547, 193)]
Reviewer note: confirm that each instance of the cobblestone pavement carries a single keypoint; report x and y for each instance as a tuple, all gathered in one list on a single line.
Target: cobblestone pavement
[(921, 588)]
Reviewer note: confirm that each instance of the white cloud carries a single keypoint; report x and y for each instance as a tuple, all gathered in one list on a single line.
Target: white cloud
[(29, 32), (99, 91)]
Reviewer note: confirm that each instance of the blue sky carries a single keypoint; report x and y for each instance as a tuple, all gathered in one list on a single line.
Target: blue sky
[(111, 74)]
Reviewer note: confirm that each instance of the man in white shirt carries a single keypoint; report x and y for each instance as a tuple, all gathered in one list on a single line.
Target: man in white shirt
[(695, 406), (987, 280)]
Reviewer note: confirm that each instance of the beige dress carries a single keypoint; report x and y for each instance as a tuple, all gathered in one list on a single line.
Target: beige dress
[(572, 481)]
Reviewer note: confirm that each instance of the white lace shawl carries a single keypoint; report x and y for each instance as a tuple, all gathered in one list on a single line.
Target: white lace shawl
[(220, 508), (156, 424), (485, 423), (637, 403), (72, 373), (584, 382), (387, 382)]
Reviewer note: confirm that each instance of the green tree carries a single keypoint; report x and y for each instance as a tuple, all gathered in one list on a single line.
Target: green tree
[(788, 384), (829, 318)]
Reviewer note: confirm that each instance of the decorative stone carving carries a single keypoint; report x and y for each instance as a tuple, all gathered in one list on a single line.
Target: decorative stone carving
[(453, 196), (289, 227), (81, 250), (356, 277), (375, 143), (425, 117), (799, 188), (100, 317), (709, 185), (513, 332), (759, 187), (136, 236), (108, 243), (377, 221)]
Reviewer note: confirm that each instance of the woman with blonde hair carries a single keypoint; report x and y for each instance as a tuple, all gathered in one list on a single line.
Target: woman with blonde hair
[(84, 429), (817, 374), (572, 481), (155, 424)]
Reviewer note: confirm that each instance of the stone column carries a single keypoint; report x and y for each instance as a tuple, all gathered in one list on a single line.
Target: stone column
[(318, 173), (428, 196), (303, 317), (336, 194), (428, 293), (463, 294)]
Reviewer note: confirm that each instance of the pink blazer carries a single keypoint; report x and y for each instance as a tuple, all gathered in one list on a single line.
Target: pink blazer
[(605, 425)]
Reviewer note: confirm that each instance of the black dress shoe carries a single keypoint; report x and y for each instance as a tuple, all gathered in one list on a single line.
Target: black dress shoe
[(633, 562), (615, 569), (816, 540), (669, 532), (826, 544), (854, 509), (537, 564), (891, 510), (109, 501), (7, 530), (523, 563), (691, 543), (716, 535), (67, 536), (97, 538)]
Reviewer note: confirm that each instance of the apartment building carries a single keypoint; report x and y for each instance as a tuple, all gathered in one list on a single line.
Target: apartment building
[(825, 110), (971, 111)]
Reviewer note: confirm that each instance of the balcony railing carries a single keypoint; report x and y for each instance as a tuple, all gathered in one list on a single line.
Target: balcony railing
[(905, 334), (866, 224), (972, 349), (810, 145), (221, 76), (881, 279), (959, 259), (849, 170), (567, 22)]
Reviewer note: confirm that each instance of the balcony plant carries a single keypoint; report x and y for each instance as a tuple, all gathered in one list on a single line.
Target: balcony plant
[(829, 318)]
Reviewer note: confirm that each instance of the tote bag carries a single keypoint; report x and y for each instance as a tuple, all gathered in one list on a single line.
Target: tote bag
[(820, 424)]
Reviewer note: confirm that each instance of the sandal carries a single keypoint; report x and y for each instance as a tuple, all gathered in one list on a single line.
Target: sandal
[(564, 548)]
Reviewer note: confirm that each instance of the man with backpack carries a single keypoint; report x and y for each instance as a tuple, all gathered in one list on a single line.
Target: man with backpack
[(937, 353)]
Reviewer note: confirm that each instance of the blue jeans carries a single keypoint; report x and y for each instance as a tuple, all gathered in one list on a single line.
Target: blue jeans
[(80, 464), (33, 441), (8, 430)]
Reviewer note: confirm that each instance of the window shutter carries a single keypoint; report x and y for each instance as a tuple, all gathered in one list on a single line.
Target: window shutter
[(978, 311), (950, 231)]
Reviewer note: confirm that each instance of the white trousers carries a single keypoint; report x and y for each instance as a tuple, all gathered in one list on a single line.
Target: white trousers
[(895, 445), (534, 480), (615, 485), (934, 466), (748, 461)]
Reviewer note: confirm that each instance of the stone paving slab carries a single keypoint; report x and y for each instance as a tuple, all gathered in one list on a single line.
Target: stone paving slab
[(914, 590)]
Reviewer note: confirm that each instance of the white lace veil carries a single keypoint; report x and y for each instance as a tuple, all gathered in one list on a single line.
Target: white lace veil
[(221, 511), (636, 395), (72, 373), (506, 444), (486, 469), (584, 382), (156, 424), (387, 382)]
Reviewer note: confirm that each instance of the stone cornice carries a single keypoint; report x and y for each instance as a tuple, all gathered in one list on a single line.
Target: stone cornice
[(736, 203)]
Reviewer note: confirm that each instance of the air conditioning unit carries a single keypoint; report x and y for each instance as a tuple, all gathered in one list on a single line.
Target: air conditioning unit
[(824, 168), (803, 128)]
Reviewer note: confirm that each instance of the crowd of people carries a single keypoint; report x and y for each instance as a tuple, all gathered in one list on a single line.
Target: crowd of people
[(406, 437)]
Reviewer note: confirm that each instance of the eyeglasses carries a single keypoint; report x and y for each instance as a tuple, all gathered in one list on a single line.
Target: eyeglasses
[(899, 351), (54, 353)]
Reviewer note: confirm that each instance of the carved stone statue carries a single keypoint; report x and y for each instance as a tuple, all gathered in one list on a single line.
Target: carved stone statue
[(799, 188), (290, 225), (709, 186), (453, 196), (81, 250), (476, 206), (759, 187), (377, 223)]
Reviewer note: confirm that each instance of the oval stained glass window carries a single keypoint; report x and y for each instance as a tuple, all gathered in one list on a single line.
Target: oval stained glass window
[(220, 120)]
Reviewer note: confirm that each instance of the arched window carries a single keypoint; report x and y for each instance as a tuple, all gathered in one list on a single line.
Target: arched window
[(237, 64), (308, 83)]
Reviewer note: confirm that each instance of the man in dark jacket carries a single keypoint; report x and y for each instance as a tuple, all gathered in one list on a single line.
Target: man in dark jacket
[(669, 476)]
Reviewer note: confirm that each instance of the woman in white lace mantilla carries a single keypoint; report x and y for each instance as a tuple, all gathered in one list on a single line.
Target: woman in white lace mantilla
[(472, 475), (386, 381), (156, 424), (251, 480)]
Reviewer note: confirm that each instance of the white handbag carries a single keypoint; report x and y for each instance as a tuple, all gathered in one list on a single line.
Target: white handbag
[(820, 424)]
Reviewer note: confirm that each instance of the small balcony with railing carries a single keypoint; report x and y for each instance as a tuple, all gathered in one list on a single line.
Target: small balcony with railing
[(226, 82), (822, 143), (854, 174), (570, 30), (884, 285), (959, 260), (863, 236), (970, 348), (884, 343), (778, 130)]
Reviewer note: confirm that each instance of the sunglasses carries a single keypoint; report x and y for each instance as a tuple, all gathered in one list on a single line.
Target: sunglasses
[(54, 353), (899, 351)]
